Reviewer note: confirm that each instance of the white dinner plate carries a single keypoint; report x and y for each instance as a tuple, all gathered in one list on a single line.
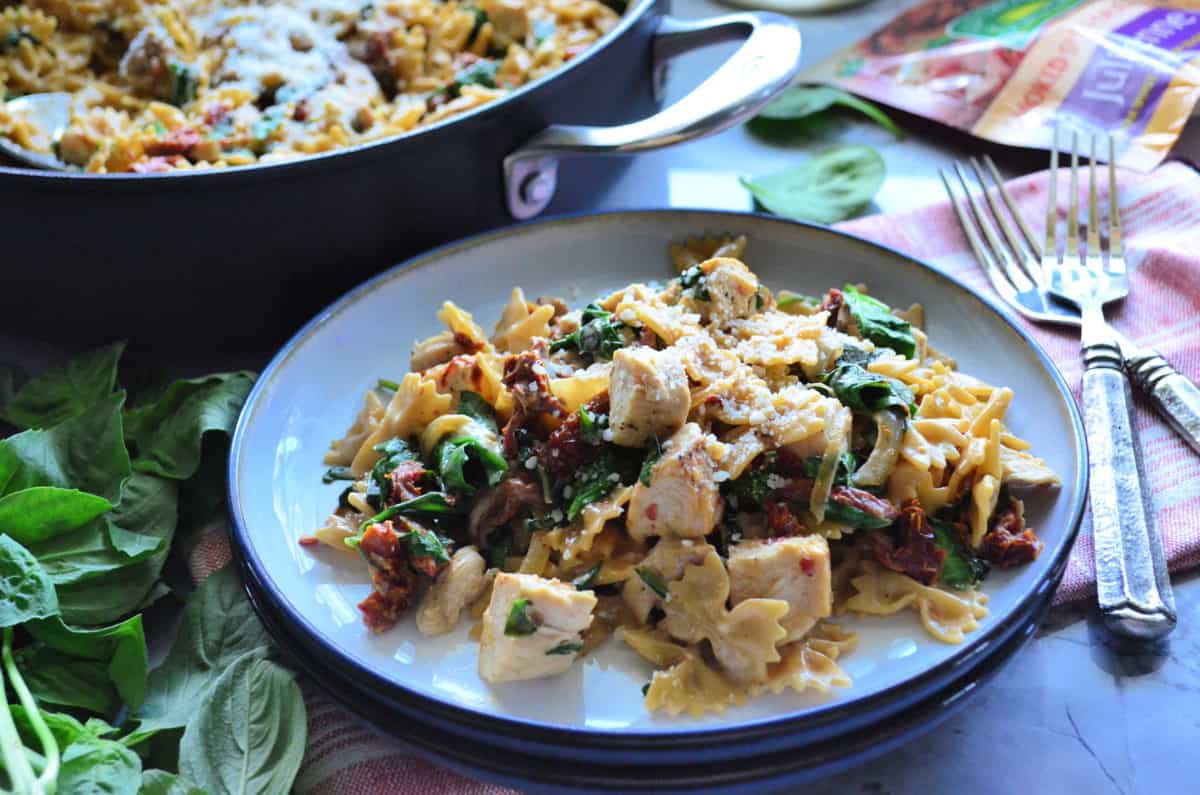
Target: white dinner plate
[(313, 388)]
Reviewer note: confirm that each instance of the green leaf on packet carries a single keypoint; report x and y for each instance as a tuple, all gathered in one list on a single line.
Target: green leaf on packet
[(831, 186), (802, 102)]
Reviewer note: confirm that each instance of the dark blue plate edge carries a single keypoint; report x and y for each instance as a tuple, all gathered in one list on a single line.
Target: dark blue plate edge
[(919, 685)]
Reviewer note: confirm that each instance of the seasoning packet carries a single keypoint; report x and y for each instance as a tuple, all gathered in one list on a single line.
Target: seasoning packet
[(1009, 71)]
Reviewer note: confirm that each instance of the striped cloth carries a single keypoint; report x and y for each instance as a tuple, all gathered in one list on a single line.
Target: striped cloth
[(1160, 210)]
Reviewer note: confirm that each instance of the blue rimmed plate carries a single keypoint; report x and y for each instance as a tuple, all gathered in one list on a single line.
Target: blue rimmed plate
[(312, 389)]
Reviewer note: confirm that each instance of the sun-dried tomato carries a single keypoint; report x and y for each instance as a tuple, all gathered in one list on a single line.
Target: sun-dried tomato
[(908, 546), (404, 482), (393, 580), (565, 450), (510, 499), (864, 501), (528, 381), (832, 303), (1008, 541), (781, 522)]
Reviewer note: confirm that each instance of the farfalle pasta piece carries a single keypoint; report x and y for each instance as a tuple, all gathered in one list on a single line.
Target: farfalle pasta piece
[(685, 681), (811, 663), (743, 639), (947, 615), (519, 324), (342, 451), (416, 404), (575, 540)]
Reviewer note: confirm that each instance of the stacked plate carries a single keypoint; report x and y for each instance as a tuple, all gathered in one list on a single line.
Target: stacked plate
[(588, 728)]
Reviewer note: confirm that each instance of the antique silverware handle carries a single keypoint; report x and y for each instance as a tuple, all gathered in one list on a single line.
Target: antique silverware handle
[(1131, 570), (1175, 397)]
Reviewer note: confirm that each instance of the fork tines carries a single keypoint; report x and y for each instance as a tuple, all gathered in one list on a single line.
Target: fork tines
[(1014, 263)]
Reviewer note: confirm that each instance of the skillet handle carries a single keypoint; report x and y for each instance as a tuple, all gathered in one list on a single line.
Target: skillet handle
[(760, 69)]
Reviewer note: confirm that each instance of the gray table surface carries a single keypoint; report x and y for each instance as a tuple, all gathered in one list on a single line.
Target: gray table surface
[(1072, 711)]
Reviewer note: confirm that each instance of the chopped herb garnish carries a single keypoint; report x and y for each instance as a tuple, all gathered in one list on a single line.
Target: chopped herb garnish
[(184, 84), (472, 404), (752, 486), (543, 29), (877, 323), (566, 647), (427, 544), (598, 334), (481, 73), (519, 624), (591, 426), (481, 19), (596, 480), (645, 689), (585, 581), (784, 301), (386, 384), (647, 471), (653, 581)]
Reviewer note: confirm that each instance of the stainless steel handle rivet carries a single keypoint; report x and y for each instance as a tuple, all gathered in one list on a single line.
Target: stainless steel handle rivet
[(538, 188)]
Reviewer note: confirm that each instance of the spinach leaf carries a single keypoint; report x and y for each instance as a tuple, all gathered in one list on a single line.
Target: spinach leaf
[(481, 19), (694, 284), (249, 734), (86, 452), (64, 392), (830, 186), (595, 481), (384, 383), (654, 581), (40, 513), (786, 299), (841, 477), (566, 647), (160, 782), (94, 765), (592, 426), (395, 452), (960, 569), (57, 678), (481, 73), (518, 623), (877, 323), (499, 544), (585, 581), (453, 455), (472, 404), (868, 392), (849, 515), (103, 571), (168, 433), (338, 473), (799, 102), (122, 646), (598, 334), (646, 473), (424, 543), (26, 592), (184, 83), (217, 628), (752, 486)]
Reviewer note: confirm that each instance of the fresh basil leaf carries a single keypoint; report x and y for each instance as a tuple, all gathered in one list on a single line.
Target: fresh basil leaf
[(26, 592), (160, 782), (585, 581), (653, 581), (57, 678), (877, 323), (122, 646), (92, 765), (249, 733), (868, 392), (960, 569), (453, 456), (799, 102), (598, 334), (65, 728), (566, 647), (64, 392), (40, 513), (86, 452), (218, 626), (519, 623), (830, 186), (97, 579), (472, 404), (168, 433)]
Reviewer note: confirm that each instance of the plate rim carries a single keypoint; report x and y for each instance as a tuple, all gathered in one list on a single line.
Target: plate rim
[(830, 713)]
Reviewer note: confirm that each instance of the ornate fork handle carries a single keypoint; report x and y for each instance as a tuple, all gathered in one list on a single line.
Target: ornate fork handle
[(1131, 570), (1176, 398)]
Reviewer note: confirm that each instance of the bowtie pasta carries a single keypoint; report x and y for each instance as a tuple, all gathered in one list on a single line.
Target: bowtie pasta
[(170, 84), (709, 471)]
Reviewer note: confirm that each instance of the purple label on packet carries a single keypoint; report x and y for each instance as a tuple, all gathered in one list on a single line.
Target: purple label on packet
[(1123, 81)]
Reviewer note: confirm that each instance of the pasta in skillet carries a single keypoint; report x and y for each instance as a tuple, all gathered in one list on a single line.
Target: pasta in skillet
[(161, 85), (708, 470)]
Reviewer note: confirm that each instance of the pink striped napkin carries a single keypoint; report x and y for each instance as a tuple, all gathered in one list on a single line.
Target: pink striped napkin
[(1160, 211)]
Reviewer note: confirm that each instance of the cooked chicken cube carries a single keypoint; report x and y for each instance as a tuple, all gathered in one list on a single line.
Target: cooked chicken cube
[(509, 19), (666, 562), (732, 289), (794, 569), (648, 394), (682, 499), (532, 627), (459, 584)]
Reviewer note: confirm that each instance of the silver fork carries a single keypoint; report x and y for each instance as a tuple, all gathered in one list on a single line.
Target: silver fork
[(1134, 591)]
